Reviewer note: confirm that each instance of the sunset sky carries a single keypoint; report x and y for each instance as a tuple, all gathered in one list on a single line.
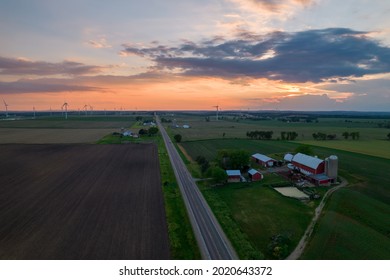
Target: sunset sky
[(194, 54)]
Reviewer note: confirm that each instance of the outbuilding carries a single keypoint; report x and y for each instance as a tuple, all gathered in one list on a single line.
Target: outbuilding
[(255, 175), (234, 176), (288, 157), (263, 160), (127, 133), (308, 165), (320, 179)]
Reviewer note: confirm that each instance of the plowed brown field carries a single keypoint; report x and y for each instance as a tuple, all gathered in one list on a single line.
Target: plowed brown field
[(81, 202)]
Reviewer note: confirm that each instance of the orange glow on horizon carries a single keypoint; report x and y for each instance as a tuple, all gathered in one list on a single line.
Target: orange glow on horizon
[(178, 93)]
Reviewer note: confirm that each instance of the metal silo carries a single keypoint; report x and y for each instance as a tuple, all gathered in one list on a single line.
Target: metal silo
[(331, 165)]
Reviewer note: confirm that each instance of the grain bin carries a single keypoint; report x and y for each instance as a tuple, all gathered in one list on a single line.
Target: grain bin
[(331, 166)]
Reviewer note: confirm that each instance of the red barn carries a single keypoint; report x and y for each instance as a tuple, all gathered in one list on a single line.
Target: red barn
[(234, 176), (255, 175), (308, 165), (263, 160)]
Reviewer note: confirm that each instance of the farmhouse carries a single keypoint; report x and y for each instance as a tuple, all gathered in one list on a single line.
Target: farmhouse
[(308, 165), (255, 175), (263, 160), (234, 176), (127, 133)]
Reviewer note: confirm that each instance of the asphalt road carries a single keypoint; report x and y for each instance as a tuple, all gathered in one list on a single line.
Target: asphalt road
[(212, 241)]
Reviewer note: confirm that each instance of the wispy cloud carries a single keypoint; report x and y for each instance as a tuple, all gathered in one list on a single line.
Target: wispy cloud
[(21, 66), (271, 5), (99, 44), (313, 55)]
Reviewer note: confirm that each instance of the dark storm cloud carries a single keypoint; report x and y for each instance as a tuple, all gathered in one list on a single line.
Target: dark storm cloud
[(313, 55), (41, 85), (16, 66)]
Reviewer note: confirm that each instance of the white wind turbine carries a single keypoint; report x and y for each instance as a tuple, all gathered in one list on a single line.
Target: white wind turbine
[(6, 108), (216, 106), (65, 105), (85, 109)]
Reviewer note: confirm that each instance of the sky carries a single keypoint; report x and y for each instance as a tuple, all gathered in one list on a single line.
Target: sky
[(312, 55)]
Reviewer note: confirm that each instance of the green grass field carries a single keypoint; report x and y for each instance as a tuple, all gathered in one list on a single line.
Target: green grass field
[(260, 213), (364, 205), (379, 148), (354, 226), (200, 129), (209, 148)]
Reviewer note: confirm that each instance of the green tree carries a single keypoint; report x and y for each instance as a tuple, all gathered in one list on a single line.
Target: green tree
[(345, 135), (388, 136), (278, 248), (218, 174), (152, 131), (177, 138), (292, 135), (232, 159)]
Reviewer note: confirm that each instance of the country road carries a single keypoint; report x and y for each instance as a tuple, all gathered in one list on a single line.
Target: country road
[(306, 236), (212, 241)]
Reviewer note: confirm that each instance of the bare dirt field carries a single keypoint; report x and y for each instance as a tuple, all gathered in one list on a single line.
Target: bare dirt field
[(81, 202), (51, 135)]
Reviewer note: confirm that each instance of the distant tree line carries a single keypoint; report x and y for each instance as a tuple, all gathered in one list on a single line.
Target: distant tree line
[(384, 125), (260, 135), (323, 136), (288, 135), (298, 119), (353, 135)]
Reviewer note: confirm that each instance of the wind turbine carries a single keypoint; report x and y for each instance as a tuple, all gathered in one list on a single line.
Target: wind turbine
[(85, 108), (65, 105), (91, 109), (217, 111), (6, 108)]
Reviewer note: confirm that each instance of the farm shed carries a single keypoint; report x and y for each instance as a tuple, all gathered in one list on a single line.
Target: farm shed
[(288, 157), (320, 179), (263, 160), (234, 176), (255, 175), (186, 126), (127, 133), (308, 165)]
